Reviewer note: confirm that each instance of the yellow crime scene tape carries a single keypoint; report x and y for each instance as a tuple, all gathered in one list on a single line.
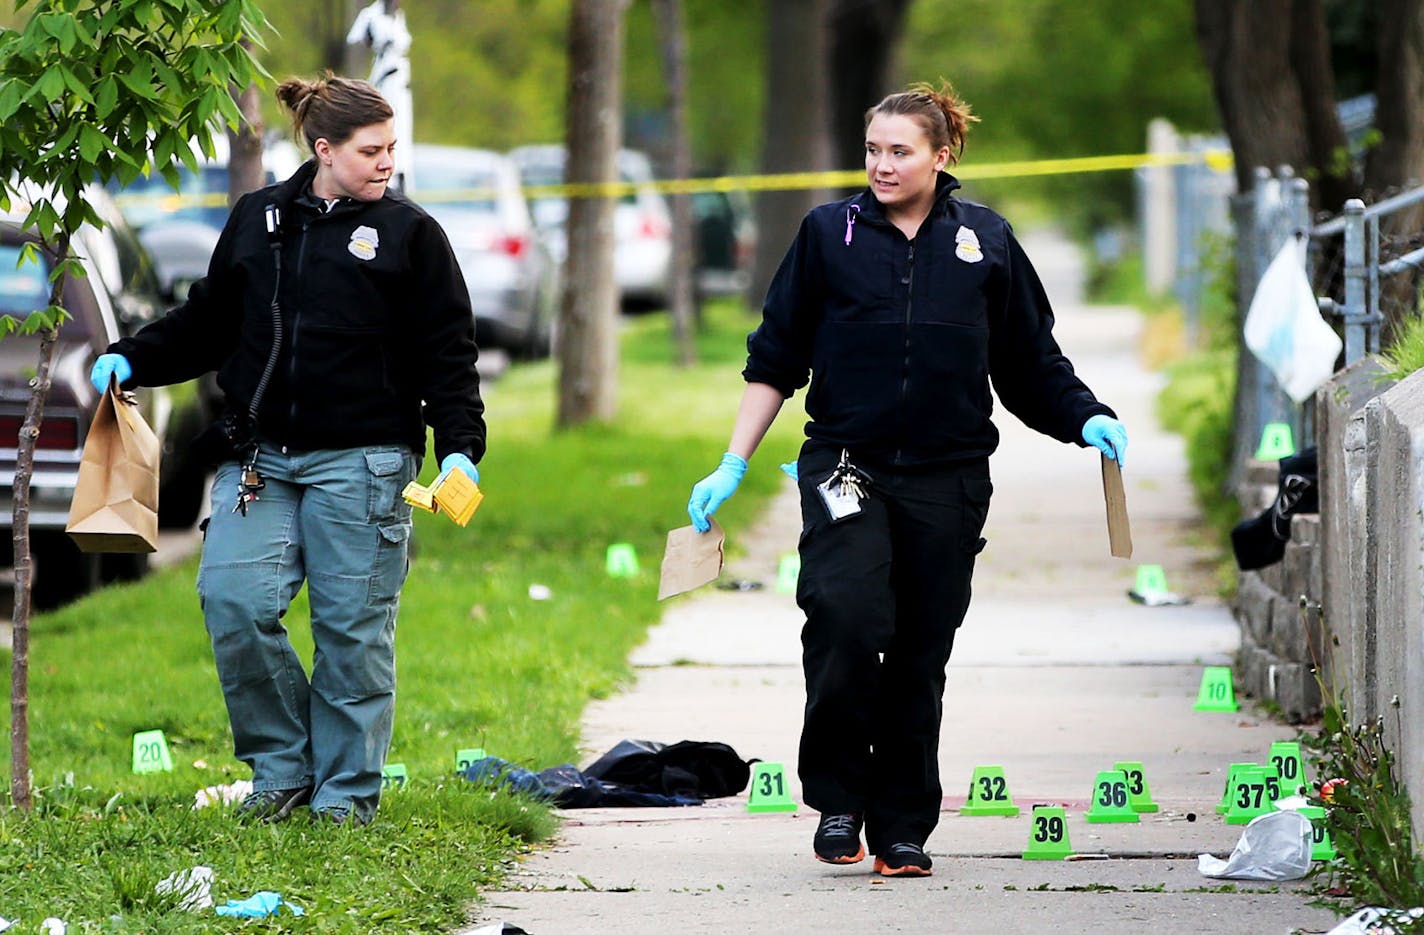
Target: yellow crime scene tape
[(1219, 160)]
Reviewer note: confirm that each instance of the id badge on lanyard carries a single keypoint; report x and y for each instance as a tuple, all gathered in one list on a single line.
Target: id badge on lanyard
[(842, 492)]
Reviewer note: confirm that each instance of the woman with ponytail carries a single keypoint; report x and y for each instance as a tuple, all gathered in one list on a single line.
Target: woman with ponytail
[(898, 305), (339, 325)]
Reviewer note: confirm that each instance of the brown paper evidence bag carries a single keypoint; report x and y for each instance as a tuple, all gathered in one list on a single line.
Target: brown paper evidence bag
[(115, 505)]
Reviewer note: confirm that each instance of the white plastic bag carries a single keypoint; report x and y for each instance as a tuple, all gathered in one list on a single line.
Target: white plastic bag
[(1373, 920), (1284, 328), (1275, 846)]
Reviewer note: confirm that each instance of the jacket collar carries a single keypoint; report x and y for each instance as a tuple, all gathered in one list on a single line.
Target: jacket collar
[(872, 210)]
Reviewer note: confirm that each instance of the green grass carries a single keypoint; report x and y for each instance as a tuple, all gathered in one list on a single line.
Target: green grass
[(1405, 354), (480, 663)]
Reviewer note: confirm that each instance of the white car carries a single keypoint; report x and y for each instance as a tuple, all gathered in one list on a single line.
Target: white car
[(508, 267), (642, 222)]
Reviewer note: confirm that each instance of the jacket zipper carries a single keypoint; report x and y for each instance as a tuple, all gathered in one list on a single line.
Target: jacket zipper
[(296, 331), (909, 282)]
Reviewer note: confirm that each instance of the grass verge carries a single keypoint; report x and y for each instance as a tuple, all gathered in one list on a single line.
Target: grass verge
[(480, 663)]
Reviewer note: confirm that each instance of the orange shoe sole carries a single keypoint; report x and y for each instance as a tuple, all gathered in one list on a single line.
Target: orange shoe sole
[(854, 859), (907, 871)]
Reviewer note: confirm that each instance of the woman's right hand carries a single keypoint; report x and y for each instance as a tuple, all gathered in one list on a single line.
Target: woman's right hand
[(710, 492)]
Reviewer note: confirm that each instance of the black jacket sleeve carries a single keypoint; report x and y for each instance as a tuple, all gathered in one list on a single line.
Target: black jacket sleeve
[(199, 335), (1033, 378), (449, 382), (779, 350)]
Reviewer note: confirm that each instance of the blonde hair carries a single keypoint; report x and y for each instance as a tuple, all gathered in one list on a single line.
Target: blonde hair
[(332, 108), (942, 113)]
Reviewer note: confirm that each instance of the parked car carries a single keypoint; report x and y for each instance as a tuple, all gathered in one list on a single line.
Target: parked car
[(642, 223), (726, 242), (118, 293), (509, 270)]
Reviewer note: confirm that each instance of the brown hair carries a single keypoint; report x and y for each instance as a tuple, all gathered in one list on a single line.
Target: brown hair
[(942, 113), (332, 108)]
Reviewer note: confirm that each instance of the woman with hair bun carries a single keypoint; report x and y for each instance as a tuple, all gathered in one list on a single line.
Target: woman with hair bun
[(898, 305), (340, 328)]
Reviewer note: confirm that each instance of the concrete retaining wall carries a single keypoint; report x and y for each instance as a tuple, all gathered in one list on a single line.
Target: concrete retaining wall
[(1348, 596), (1278, 608)]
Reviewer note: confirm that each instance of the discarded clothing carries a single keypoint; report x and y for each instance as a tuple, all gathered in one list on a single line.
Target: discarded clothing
[(635, 773), (1261, 540), (702, 768)]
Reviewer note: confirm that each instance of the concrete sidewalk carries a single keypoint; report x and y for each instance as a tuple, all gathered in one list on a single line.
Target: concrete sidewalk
[(1055, 676)]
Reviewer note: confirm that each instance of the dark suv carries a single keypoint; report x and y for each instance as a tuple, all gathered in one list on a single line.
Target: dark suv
[(118, 294)]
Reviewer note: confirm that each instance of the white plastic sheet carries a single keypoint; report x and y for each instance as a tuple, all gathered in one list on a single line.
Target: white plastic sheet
[(1284, 328), (1275, 846)]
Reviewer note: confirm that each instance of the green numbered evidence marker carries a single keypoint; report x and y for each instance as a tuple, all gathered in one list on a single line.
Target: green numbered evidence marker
[(989, 793), (770, 791), (150, 752), (1276, 442), (1250, 795), (394, 776), (621, 561), (787, 573), (1138, 794), (467, 757), (1048, 834), (1216, 693), (1285, 757), (1320, 846), (1224, 805), (1110, 802)]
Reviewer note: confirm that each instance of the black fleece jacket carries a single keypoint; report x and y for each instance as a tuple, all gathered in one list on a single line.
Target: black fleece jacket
[(899, 339), (377, 335)]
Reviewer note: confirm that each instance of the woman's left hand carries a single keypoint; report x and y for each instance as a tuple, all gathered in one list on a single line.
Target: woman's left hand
[(1108, 435)]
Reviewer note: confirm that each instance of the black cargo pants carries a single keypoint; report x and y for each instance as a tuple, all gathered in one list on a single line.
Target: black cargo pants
[(883, 592)]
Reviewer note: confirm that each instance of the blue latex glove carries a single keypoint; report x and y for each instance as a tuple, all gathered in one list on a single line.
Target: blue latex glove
[(793, 470), (256, 906), (712, 490), (115, 364), (457, 461), (1108, 435)]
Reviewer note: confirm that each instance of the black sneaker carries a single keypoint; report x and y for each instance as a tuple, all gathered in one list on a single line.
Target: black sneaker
[(337, 815), (273, 804), (838, 839), (904, 860)]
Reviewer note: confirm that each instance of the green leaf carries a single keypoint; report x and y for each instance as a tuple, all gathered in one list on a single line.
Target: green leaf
[(9, 100), (66, 140), (172, 83), (8, 325), (138, 81), (82, 33), (105, 101), (163, 149), (71, 80), (91, 143), (51, 84)]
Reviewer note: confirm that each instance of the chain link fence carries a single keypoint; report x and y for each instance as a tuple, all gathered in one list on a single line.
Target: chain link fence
[(1366, 268)]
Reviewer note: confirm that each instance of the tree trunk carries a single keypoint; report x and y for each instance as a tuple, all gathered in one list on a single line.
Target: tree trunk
[(24, 566), (1398, 160), (244, 173), (673, 37), (795, 120), (588, 319), (863, 40), (1270, 70)]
